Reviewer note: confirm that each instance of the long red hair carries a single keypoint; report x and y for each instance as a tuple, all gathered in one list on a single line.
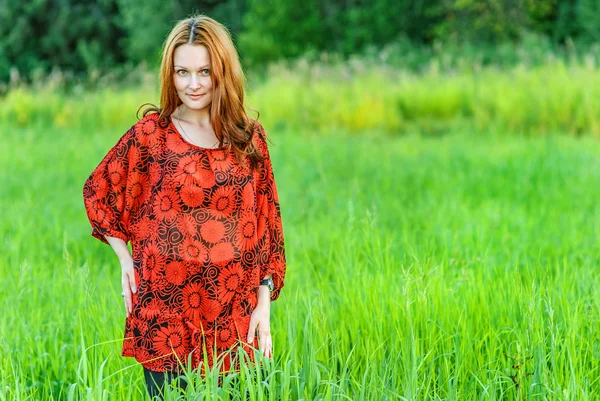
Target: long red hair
[(228, 116)]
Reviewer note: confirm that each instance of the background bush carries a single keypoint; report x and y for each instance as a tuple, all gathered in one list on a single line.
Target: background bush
[(83, 37)]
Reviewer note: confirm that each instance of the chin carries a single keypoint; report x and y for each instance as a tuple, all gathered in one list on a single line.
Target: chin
[(197, 105)]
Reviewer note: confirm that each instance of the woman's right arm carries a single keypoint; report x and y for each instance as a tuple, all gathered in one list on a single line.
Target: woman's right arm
[(105, 192), (106, 204), (127, 272), (120, 248)]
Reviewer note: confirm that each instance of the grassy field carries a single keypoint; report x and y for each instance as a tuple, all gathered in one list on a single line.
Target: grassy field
[(359, 96), (461, 267)]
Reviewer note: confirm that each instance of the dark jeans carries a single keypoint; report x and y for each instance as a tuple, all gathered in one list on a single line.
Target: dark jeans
[(155, 381)]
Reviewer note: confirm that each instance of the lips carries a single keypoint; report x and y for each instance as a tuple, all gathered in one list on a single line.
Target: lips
[(198, 96)]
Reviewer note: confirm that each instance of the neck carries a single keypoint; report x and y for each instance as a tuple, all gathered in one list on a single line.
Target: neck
[(201, 118)]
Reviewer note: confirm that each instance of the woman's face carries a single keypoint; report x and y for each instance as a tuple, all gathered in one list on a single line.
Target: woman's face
[(192, 75)]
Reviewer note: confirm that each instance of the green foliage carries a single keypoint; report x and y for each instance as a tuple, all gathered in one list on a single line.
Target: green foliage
[(354, 26), (85, 37), (588, 18), (74, 35), (277, 29), (95, 37), (280, 28), (487, 21), (147, 28), (542, 15), (362, 23)]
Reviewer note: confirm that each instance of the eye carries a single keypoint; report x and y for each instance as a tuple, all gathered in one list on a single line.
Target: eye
[(181, 72), (205, 71)]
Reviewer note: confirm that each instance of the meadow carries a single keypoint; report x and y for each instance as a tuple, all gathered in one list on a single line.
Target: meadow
[(437, 257), (364, 95)]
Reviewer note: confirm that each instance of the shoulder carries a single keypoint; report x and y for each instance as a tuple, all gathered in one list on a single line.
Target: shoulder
[(146, 128), (259, 136), (257, 126), (149, 122)]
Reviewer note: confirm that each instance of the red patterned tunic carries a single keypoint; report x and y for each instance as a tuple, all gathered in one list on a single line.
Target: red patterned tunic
[(204, 231)]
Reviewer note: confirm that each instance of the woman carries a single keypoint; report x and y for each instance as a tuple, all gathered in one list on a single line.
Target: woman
[(191, 186)]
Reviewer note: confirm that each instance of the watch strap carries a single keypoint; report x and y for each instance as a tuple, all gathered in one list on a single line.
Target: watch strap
[(268, 283)]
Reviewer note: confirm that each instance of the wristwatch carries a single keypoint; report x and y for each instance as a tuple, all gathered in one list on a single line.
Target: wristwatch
[(269, 283)]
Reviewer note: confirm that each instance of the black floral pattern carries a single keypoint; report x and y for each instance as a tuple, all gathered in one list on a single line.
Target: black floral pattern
[(204, 231)]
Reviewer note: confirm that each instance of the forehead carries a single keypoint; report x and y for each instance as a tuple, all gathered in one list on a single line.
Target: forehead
[(191, 56)]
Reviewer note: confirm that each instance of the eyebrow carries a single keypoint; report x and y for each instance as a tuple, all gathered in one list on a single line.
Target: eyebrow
[(204, 66)]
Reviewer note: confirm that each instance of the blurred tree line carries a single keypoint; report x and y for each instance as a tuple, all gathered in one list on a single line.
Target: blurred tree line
[(96, 36)]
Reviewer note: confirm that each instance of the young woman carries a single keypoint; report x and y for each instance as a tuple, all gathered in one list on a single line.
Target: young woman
[(191, 186)]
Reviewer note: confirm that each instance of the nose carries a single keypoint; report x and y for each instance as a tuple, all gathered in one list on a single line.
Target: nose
[(195, 82)]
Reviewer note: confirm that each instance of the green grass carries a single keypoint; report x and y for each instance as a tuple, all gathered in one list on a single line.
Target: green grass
[(461, 267), (359, 96)]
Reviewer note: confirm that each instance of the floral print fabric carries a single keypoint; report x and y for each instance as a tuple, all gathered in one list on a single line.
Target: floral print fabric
[(204, 232)]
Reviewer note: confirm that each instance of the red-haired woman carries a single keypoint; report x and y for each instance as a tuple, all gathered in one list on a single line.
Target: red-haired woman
[(191, 186)]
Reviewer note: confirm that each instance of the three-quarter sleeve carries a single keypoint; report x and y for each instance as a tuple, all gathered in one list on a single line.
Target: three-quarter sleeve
[(269, 221), (105, 190)]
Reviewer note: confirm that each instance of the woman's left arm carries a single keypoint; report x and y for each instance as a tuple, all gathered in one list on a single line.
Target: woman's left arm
[(270, 225), (270, 229)]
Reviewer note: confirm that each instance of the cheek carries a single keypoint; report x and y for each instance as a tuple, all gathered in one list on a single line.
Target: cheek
[(179, 84)]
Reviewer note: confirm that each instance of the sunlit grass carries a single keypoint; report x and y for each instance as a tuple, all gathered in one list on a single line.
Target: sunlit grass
[(452, 268), (362, 97)]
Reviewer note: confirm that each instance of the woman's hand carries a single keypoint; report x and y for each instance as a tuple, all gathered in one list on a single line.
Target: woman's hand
[(261, 317), (128, 283)]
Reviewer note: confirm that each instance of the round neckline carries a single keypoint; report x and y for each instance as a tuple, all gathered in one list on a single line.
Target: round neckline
[(171, 122)]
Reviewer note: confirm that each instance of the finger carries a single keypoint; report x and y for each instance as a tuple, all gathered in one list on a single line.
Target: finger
[(264, 339), (266, 348), (128, 298), (251, 330), (128, 284), (126, 308), (132, 282), (269, 348)]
